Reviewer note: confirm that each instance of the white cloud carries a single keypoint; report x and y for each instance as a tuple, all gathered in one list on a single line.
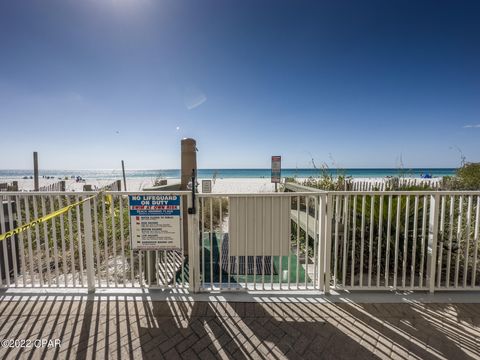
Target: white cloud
[(193, 97), (472, 126)]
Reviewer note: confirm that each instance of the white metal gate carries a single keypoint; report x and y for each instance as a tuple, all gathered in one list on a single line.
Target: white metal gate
[(261, 241)]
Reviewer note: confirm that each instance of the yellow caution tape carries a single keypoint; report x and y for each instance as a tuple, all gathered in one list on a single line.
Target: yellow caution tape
[(42, 219)]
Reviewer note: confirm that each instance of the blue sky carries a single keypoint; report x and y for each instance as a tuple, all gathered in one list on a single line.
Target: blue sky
[(358, 83)]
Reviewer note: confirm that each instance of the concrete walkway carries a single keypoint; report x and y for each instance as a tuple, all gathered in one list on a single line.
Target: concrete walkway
[(115, 327)]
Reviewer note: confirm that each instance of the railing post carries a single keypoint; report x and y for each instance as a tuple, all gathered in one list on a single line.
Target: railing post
[(321, 241), (432, 241), (193, 248), (87, 228), (328, 241)]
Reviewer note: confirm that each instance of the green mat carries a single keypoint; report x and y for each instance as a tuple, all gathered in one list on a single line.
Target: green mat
[(280, 264)]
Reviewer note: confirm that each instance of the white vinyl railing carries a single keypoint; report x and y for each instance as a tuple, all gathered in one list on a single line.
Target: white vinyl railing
[(87, 246), (317, 240), (404, 240), (421, 240), (50, 254)]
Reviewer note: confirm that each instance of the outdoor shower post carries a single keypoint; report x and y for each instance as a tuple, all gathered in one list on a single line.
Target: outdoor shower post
[(188, 166)]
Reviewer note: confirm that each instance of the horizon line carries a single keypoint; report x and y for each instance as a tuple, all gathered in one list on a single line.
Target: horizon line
[(242, 168)]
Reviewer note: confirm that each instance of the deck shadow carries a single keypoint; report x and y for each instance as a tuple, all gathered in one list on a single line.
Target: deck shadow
[(125, 327)]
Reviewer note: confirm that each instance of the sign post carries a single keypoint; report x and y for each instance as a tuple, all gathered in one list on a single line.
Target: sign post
[(276, 170), (155, 222)]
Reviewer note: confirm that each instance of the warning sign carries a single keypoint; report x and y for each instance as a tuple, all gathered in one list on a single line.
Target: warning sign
[(155, 222), (206, 186), (276, 169)]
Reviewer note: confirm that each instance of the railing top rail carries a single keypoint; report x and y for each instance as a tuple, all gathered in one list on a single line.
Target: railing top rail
[(142, 192), (405, 192), (303, 188), (50, 193), (284, 194), (90, 193), (303, 193)]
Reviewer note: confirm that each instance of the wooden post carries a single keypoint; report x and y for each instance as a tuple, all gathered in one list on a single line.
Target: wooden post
[(124, 178), (35, 171), (188, 161)]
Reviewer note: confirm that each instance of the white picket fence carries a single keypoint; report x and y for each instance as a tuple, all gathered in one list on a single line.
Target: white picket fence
[(309, 240), (384, 184), (13, 186), (57, 186), (114, 186)]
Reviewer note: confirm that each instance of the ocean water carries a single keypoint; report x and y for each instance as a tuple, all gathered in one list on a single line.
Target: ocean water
[(229, 173)]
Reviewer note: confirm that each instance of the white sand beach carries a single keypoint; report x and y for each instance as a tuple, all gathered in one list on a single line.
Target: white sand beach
[(220, 186), (71, 185), (223, 186)]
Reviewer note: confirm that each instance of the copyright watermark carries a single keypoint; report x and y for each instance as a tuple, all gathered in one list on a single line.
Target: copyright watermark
[(29, 343)]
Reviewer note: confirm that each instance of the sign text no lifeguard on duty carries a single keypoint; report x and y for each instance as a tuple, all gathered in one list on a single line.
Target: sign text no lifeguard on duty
[(155, 221)]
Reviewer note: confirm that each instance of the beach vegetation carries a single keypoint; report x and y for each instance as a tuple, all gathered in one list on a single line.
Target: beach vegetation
[(213, 211), (467, 177), (65, 235), (305, 244), (362, 225), (365, 240), (327, 180)]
